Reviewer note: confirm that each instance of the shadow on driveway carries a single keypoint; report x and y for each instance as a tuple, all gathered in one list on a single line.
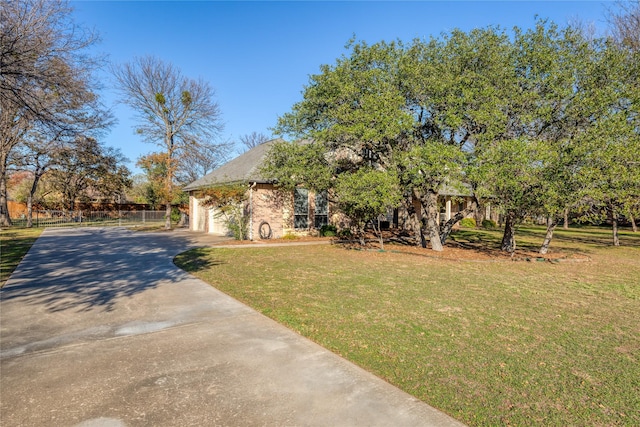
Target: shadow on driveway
[(93, 268)]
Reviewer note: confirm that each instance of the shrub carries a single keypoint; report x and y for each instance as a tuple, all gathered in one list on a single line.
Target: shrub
[(489, 223), (328, 230), (345, 234), (289, 236), (175, 214), (468, 223), (238, 225)]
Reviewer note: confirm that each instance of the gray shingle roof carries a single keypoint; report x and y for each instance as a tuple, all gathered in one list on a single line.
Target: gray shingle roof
[(244, 168)]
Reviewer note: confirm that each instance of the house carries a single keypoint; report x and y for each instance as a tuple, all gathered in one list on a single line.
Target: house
[(273, 213)]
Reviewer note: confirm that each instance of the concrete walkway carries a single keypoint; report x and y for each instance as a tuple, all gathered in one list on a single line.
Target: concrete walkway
[(99, 328)]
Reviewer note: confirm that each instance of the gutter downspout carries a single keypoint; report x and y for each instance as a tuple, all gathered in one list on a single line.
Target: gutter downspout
[(251, 210)]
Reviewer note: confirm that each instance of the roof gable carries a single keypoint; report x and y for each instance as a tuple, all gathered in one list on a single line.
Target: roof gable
[(244, 168)]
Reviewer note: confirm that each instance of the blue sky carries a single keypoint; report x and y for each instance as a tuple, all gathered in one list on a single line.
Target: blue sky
[(258, 55)]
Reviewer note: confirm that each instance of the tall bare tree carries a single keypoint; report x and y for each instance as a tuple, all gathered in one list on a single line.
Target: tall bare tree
[(625, 24), (253, 139), (200, 159), (173, 111), (45, 77)]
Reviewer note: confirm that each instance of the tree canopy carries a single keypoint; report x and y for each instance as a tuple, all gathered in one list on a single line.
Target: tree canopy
[(47, 89), (523, 119)]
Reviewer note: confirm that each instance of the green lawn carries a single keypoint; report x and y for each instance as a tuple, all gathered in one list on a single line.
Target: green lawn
[(488, 342), (14, 244)]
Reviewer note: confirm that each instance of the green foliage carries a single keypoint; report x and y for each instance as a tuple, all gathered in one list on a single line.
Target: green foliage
[(328, 230), (291, 164), (160, 99), (357, 102), (236, 220), (290, 236), (175, 214), (432, 164), (186, 98), (229, 202), (510, 172), (468, 223), (489, 223), (345, 234), (365, 194), (542, 120)]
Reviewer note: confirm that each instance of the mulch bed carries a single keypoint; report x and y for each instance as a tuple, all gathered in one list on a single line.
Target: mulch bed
[(453, 251)]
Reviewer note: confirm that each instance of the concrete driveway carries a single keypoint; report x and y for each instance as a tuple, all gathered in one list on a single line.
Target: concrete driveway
[(99, 328)]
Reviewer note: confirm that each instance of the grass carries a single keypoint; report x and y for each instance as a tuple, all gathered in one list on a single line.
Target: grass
[(14, 245), (488, 342)]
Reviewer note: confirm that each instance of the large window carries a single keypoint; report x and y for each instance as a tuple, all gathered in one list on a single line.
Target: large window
[(301, 208), (321, 210)]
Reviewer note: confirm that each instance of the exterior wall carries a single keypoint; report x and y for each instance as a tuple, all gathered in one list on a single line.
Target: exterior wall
[(273, 210), (210, 222), (198, 218), (267, 205), (204, 219), (216, 224), (451, 205)]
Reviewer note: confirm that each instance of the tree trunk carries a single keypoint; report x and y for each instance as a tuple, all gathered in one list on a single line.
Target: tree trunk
[(5, 220), (429, 202), (446, 228), (509, 236), (415, 216), (614, 226), (566, 219), (478, 213), (167, 216), (634, 226), (378, 231), (551, 226), (29, 211), (32, 192), (169, 178)]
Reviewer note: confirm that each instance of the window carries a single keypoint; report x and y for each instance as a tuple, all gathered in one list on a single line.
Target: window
[(301, 208), (322, 210)]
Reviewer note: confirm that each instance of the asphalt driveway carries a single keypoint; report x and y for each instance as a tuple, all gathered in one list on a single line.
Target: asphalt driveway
[(99, 328)]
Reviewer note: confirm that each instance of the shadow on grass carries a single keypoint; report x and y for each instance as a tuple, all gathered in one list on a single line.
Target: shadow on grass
[(528, 242), (598, 237), (195, 260)]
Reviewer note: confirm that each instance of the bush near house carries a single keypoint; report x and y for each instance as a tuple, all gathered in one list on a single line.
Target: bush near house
[(489, 223), (328, 230), (468, 223)]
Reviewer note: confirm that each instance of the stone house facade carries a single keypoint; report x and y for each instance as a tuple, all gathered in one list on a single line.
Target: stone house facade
[(273, 213)]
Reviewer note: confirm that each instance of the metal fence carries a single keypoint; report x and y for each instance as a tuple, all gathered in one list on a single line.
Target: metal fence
[(51, 218)]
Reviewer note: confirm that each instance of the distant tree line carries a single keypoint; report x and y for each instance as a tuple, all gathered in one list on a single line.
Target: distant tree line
[(52, 120)]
